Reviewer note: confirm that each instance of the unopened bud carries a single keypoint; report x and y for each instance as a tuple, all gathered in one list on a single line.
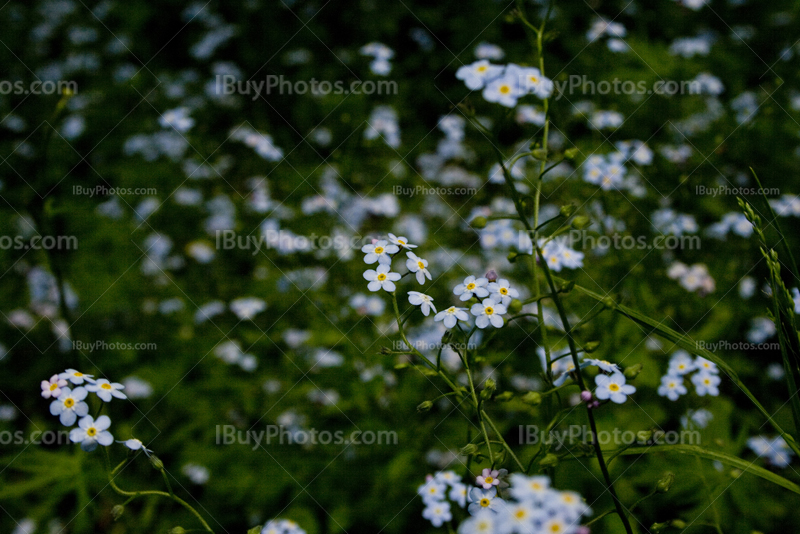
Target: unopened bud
[(677, 523), (469, 449), (539, 153), (570, 153), (424, 406), (633, 371), (515, 306), (534, 398), (591, 346), (569, 286), (655, 528), (117, 512), (491, 275), (157, 464), (665, 483), (402, 366), (504, 396), (488, 389), (550, 460), (567, 210), (586, 396), (479, 223), (512, 257), (580, 222)]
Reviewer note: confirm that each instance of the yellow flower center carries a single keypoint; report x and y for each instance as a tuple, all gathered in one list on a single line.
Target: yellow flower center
[(488, 480), (485, 502), (470, 286), (401, 241), (613, 387), (105, 386), (91, 432), (69, 402), (533, 79), (53, 387), (76, 374), (420, 265), (503, 291), (381, 277), (707, 381), (482, 68), (555, 528), (489, 310), (504, 89), (520, 514), (378, 250)]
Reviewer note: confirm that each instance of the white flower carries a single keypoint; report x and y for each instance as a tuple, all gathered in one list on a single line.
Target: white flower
[(448, 477), (52, 387), (425, 302), (381, 278), (90, 432), (681, 363), (415, 264), (672, 387), (247, 307), (481, 499), (451, 316), (76, 377), (487, 312), (519, 518), (105, 390), (532, 81), (478, 73), (472, 286), (502, 292), (437, 513), (706, 384), (704, 365), (504, 91), (458, 494), (603, 365), (401, 241), (379, 251), (525, 488), (69, 405), (431, 491), (613, 387), (482, 522), (136, 445)]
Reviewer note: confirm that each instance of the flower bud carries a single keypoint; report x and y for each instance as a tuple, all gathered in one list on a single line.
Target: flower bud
[(117, 512), (608, 302), (491, 275), (665, 483), (677, 523), (469, 449), (403, 365), (512, 257), (569, 286), (570, 153), (591, 346), (567, 210), (586, 396), (479, 223), (515, 306), (580, 222), (157, 464), (504, 396), (488, 389), (550, 460), (633, 371), (655, 528), (177, 530), (539, 153), (424, 406), (534, 398)]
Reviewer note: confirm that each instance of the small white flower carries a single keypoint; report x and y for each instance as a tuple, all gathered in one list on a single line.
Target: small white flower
[(704, 365), (481, 499), (246, 308), (76, 377), (706, 384), (451, 316), (681, 363), (425, 302), (459, 494), (437, 513), (382, 278), (417, 265), (525, 488), (472, 286), (488, 312), (136, 445), (401, 241), (502, 292), (478, 73), (482, 522), (519, 518), (52, 387), (504, 91), (69, 405), (603, 365), (613, 387), (90, 432), (431, 491), (105, 389), (379, 251), (672, 387)]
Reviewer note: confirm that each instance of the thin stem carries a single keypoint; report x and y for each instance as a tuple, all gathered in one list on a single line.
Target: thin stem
[(502, 440)]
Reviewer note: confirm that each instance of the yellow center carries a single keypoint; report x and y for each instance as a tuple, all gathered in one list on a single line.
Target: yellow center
[(378, 250), (77, 374), (555, 528), (105, 386), (707, 381), (482, 68), (503, 291), (53, 387), (420, 265), (401, 241), (488, 480), (536, 486), (91, 432), (433, 490), (381, 277), (489, 310), (504, 89), (533, 79), (520, 514), (613, 387), (568, 498), (485, 502), (69, 402), (470, 286)]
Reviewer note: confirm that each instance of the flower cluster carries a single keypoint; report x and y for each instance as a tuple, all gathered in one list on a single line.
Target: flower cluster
[(527, 506), (381, 54), (505, 84), (692, 278), (282, 526), (69, 404), (775, 450), (706, 378)]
